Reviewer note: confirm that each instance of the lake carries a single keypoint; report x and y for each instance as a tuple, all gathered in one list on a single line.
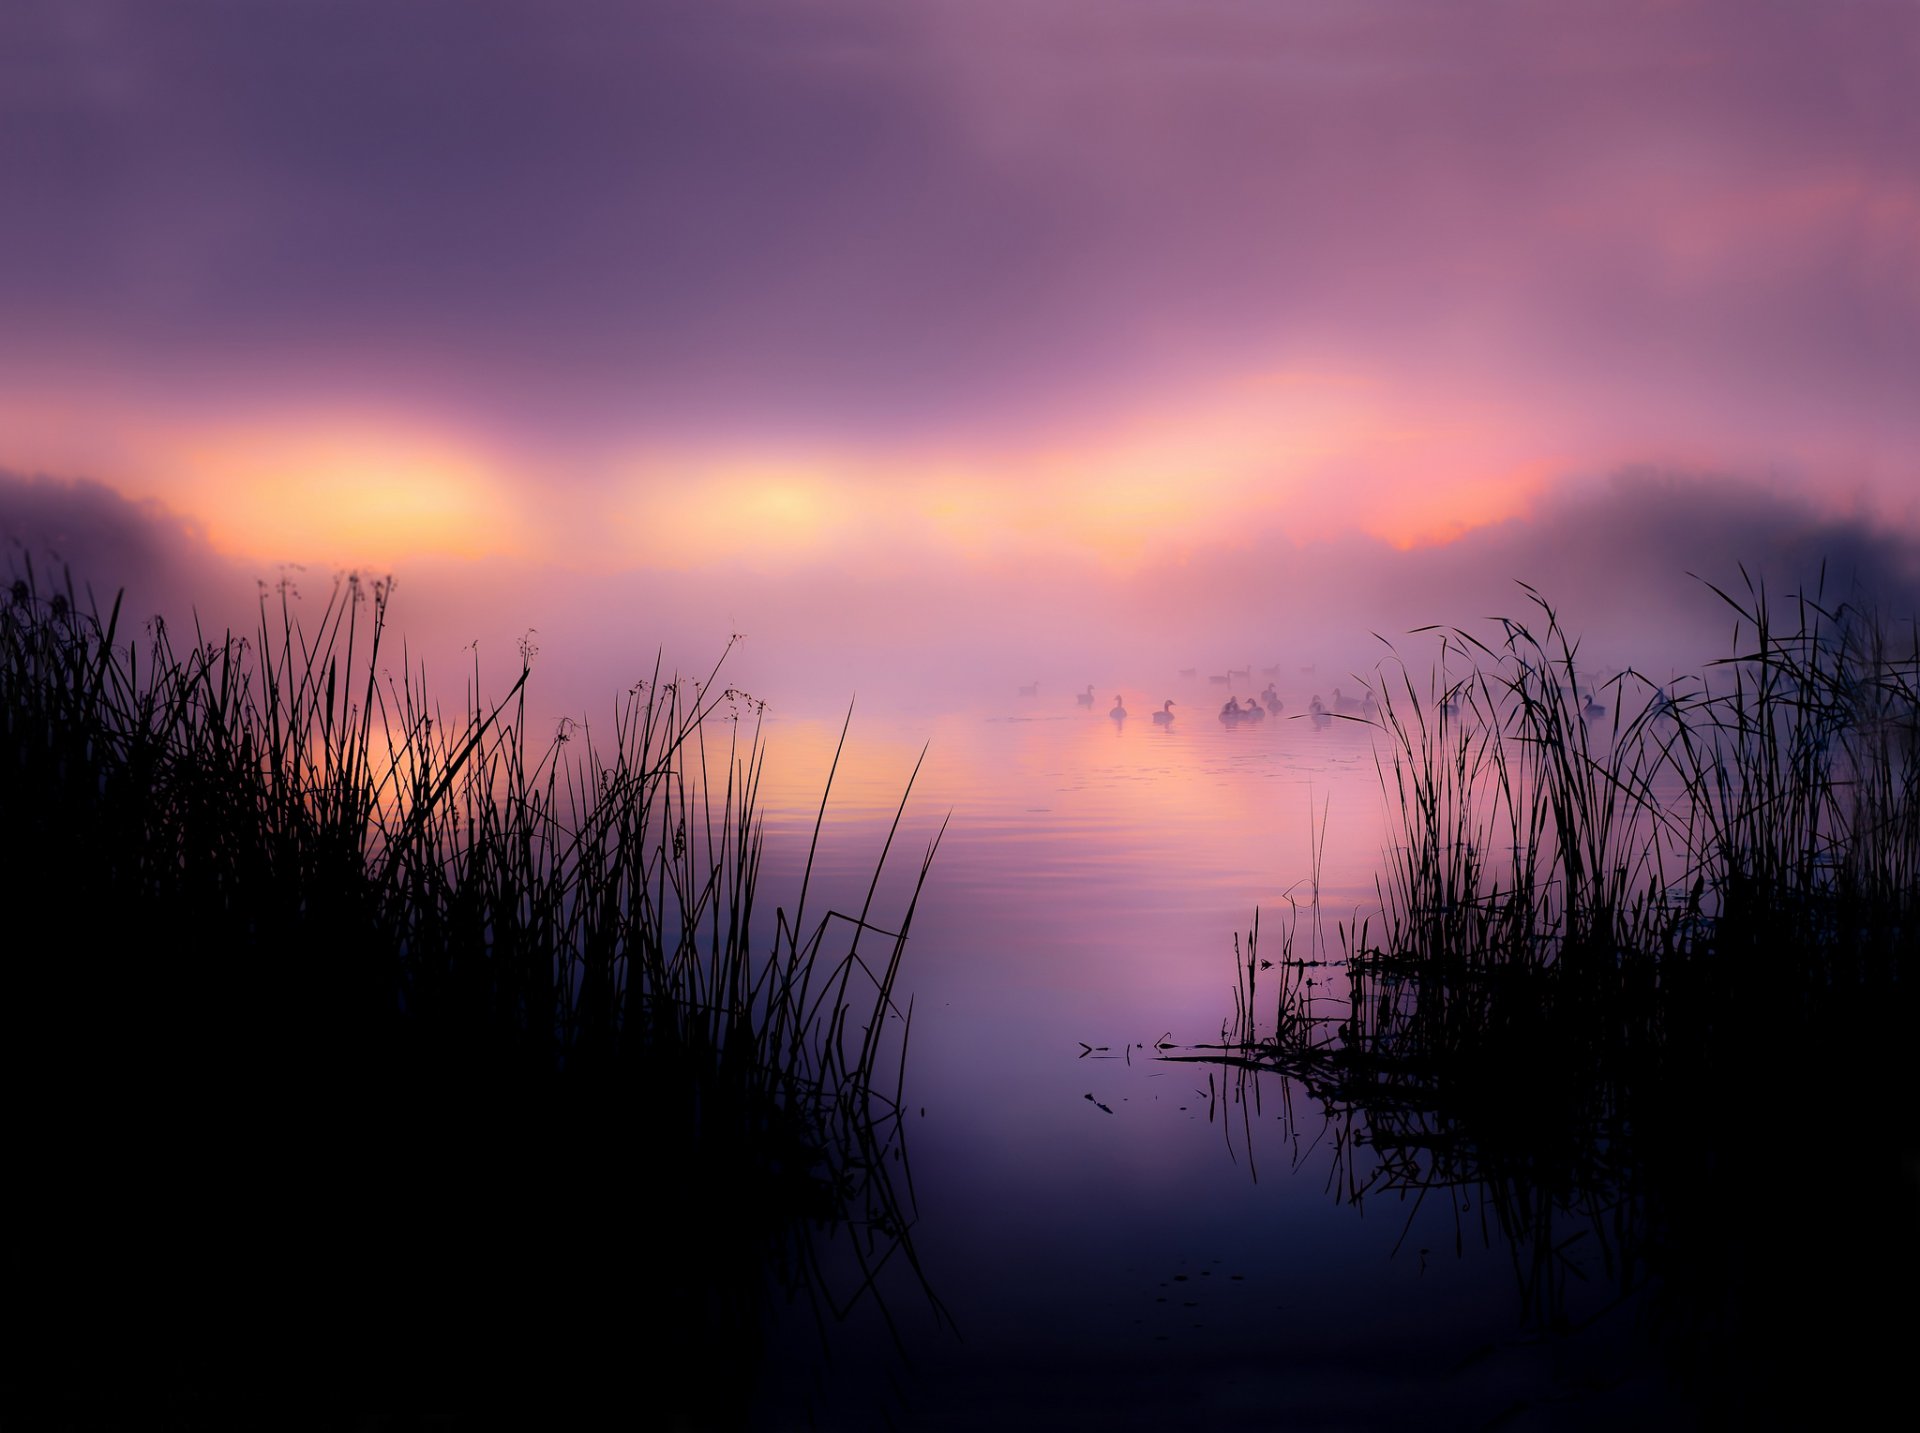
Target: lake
[(1122, 1240)]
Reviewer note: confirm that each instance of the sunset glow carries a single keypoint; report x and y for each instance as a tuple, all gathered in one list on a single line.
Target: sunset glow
[(300, 489)]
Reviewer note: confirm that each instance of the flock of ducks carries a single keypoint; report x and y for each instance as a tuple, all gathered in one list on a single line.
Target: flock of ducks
[(1268, 703)]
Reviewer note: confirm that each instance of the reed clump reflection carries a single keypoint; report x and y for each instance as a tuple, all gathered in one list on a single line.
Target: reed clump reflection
[(374, 1057), (1640, 1001)]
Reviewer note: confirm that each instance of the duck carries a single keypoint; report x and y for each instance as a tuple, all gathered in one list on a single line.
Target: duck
[(1592, 710), (1119, 712), (1317, 709), (1271, 699), (1345, 704), (1164, 717), (1085, 698), (1231, 711), (1252, 711)]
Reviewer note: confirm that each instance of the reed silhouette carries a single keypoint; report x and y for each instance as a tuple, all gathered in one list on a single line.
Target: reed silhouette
[(1641, 991), (368, 1057)]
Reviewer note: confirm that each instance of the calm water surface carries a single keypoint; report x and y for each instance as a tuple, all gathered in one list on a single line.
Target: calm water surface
[(1122, 1241)]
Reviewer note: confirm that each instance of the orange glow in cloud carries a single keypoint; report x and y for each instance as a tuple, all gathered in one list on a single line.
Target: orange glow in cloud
[(339, 490), (301, 487), (1303, 454), (766, 511), (1300, 453), (1443, 511)]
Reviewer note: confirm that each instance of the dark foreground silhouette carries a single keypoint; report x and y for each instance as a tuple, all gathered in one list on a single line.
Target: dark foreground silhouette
[(364, 1060)]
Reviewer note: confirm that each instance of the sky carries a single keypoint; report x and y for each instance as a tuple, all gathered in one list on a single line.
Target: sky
[(1012, 337)]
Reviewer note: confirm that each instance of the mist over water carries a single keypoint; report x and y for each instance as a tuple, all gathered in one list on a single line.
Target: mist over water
[(1625, 564)]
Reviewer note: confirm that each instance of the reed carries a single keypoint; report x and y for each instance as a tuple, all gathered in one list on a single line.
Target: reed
[(418, 1034), (1618, 954), (1759, 819)]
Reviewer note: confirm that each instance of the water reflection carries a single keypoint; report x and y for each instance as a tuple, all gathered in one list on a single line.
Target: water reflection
[(1074, 1215)]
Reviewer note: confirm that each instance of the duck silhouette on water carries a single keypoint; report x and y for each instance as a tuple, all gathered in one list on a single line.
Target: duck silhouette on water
[(1119, 712), (1164, 717), (1085, 698)]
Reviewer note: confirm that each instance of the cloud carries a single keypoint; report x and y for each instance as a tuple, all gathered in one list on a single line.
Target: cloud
[(810, 223)]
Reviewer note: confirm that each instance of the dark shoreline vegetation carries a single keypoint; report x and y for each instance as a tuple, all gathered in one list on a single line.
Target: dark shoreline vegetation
[(1640, 1008), (367, 1057)]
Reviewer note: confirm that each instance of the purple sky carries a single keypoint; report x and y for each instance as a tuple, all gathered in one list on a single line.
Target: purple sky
[(996, 292)]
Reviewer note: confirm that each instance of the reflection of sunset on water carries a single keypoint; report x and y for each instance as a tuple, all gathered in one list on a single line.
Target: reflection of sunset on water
[(1127, 854)]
